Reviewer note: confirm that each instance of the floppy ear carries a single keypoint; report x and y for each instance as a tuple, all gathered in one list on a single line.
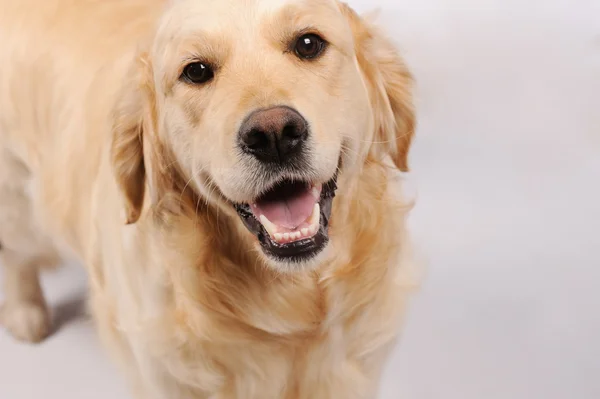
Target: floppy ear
[(130, 123), (390, 89)]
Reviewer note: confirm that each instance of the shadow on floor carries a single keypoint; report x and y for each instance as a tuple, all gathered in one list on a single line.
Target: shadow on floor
[(69, 311)]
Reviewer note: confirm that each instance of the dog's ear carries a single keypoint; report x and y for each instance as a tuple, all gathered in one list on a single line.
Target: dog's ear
[(133, 118), (390, 89)]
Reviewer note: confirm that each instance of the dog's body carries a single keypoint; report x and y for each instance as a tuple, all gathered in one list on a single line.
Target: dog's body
[(181, 296)]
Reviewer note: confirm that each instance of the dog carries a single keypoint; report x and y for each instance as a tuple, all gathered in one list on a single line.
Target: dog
[(230, 174)]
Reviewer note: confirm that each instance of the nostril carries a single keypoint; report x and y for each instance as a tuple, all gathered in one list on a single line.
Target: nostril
[(292, 131), (256, 139)]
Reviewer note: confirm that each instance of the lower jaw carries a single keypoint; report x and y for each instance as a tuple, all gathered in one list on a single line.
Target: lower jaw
[(296, 252)]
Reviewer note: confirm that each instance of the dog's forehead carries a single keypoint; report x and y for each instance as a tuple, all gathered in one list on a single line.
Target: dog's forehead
[(213, 14), (255, 5), (269, 6)]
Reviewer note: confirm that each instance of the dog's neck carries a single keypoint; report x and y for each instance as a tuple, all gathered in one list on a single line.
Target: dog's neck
[(215, 268)]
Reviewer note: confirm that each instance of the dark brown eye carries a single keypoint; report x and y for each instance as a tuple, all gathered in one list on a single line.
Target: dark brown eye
[(310, 46), (197, 73)]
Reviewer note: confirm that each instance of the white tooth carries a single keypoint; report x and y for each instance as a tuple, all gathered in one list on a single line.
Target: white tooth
[(315, 218), (313, 229), (297, 235), (271, 228), (286, 236), (278, 236), (304, 232)]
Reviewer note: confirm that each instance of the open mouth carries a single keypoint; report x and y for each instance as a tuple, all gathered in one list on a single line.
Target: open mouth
[(291, 219)]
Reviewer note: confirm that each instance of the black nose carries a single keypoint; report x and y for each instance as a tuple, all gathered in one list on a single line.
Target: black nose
[(274, 135)]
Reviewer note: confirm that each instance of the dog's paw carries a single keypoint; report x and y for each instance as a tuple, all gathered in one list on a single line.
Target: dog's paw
[(27, 322)]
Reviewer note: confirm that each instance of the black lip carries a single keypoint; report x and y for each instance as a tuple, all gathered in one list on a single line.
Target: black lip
[(298, 251)]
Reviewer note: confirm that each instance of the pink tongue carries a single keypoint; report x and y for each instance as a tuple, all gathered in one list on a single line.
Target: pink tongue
[(289, 213)]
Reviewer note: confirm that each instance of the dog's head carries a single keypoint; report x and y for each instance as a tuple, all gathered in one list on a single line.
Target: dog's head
[(258, 106)]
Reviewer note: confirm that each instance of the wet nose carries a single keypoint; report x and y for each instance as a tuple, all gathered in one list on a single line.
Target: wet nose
[(275, 134)]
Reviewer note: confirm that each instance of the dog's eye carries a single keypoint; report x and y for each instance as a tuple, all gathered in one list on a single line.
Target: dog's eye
[(197, 73), (310, 46)]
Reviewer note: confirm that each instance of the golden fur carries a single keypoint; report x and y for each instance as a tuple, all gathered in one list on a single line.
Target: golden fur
[(106, 157)]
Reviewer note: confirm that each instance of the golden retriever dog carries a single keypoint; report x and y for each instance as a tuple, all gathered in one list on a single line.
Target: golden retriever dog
[(229, 173)]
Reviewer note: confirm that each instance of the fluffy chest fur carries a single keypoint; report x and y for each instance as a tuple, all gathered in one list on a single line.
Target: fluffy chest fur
[(214, 322)]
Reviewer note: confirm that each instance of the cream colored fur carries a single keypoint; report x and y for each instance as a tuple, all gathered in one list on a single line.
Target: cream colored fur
[(107, 157)]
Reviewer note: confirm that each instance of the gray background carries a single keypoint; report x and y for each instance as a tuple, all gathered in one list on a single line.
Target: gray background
[(507, 165)]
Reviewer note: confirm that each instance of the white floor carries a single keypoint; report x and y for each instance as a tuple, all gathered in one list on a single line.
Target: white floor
[(508, 167)]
